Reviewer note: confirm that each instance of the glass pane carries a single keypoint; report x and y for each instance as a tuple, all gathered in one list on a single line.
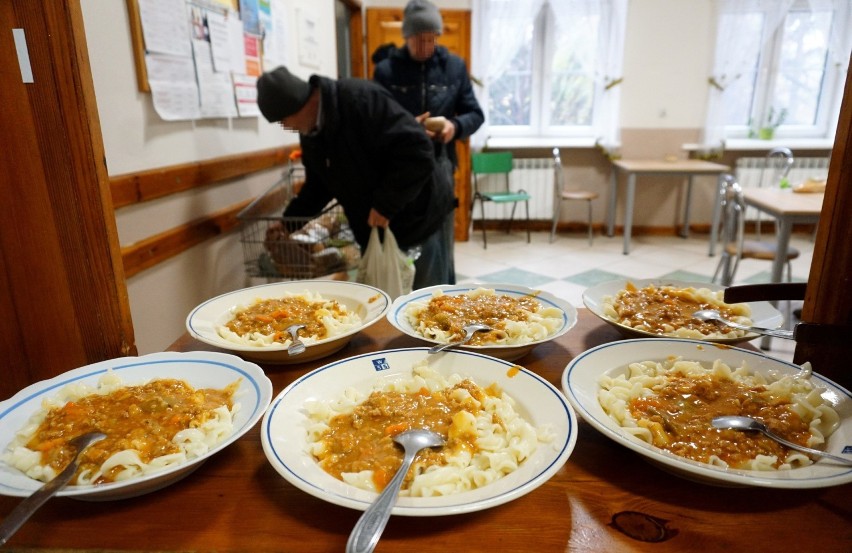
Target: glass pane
[(740, 93), (801, 67), (510, 95), (572, 89)]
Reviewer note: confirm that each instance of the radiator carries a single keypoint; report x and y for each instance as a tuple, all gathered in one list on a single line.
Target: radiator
[(533, 175), (751, 173)]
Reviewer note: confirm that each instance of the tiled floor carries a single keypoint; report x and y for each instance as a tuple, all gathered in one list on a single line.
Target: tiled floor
[(569, 265)]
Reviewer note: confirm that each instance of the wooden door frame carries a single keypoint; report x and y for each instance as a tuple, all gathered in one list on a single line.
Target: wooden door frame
[(64, 291)]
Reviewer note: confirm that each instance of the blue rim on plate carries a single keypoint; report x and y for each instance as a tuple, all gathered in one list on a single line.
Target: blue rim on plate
[(396, 315), (368, 302), (199, 369), (580, 385), (283, 432), (764, 314)]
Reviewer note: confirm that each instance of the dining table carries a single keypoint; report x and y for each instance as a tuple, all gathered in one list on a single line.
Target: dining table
[(634, 168), (605, 498), (788, 208)]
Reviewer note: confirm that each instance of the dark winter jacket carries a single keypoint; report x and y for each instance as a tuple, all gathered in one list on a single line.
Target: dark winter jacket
[(370, 153), (439, 85)]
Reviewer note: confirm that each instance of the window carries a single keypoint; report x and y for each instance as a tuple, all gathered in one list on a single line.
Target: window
[(550, 67), (792, 84)]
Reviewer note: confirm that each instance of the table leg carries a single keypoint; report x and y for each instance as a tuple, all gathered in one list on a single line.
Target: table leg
[(610, 212), (717, 215), (685, 232), (785, 228), (628, 211)]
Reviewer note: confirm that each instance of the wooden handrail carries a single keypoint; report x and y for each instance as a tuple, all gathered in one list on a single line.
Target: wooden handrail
[(142, 186)]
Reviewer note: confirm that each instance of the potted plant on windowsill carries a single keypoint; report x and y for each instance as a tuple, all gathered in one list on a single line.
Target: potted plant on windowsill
[(773, 120)]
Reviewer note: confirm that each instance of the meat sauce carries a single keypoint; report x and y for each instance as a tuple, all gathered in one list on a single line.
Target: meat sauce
[(142, 418), (273, 316), (658, 310), (363, 439), (451, 313), (679, 415)]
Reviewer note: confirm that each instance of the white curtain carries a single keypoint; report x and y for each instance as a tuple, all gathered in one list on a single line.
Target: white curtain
[(840, 41), (735, 47), (497, 35)]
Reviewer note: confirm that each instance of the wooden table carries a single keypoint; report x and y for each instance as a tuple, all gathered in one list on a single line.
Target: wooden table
[(237, 502), (648, 167), (788, 208)]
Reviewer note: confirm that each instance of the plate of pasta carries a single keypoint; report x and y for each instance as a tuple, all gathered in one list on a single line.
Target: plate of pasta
[(520, 317), (664, 307), (657, 397), (253, 322), (163, 414), (507, 429)]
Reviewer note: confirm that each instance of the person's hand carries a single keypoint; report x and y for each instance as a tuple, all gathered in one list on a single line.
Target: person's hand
[(448, 132), (376, 219)]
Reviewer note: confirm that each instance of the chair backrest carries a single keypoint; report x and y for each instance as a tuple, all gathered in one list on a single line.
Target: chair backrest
[(558, 176), (491, 162), (778, 163), (733, 222)]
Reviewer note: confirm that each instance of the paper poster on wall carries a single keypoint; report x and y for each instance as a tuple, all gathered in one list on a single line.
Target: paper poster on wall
[(216, 95), (165, 27), (220, 41), (173, 86), (307, 21), (251, 44), (245, 90), (250, 17)]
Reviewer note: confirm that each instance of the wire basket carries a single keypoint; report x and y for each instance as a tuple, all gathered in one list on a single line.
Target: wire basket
[(294, 248)]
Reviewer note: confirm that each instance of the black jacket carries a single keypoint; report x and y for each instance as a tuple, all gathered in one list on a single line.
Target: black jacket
[(439, 85), (370, 153)]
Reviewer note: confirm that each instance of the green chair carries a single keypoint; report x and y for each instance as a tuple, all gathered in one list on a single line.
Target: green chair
[(496, 163)]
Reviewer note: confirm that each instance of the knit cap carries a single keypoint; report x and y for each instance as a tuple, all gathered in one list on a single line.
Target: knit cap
[(421, 16), (281, 94)]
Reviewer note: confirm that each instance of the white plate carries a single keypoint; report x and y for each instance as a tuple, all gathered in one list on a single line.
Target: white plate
[(397, 317), (371, 304), (763, 313), (198, 369), (580, 384), (283, 431)]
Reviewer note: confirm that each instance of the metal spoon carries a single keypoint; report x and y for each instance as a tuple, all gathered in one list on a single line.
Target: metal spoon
[(367, 531), (30, 505), (713, 315), (296, 346), (749, 424), (469, 331)]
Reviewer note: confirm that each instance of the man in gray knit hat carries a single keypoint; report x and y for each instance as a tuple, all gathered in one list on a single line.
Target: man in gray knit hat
[(434, 85)]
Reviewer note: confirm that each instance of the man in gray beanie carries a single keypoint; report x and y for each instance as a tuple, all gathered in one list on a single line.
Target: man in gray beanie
[(421, 16), (362, 148), (434, 85)]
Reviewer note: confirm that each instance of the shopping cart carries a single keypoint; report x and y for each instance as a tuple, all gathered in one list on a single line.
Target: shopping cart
[(294, 248)]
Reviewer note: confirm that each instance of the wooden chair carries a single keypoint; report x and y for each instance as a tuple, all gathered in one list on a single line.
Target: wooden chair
[(561, 194), (735, 246), (496, 163)]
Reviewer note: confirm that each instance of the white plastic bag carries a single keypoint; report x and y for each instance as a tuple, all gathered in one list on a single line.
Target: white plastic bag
[(385, 266)]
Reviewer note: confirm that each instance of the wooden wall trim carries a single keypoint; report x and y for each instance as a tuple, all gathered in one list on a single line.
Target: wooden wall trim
[(160, 247), (142, 186)]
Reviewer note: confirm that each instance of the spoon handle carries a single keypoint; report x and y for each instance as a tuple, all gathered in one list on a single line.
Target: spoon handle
[(817, 452), (777, 333), (25, 509), (367, 531)]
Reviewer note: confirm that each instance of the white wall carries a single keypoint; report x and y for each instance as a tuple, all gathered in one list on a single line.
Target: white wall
[(135, 138), (669, 51)]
